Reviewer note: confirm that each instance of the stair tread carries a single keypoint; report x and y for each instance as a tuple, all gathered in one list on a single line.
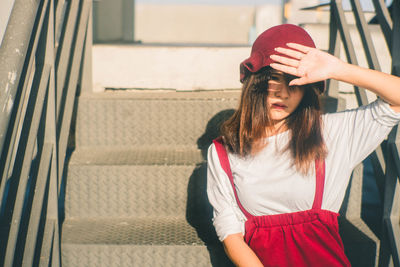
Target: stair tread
[(163, 95), (151, 119), (172, 231), (136, 156)]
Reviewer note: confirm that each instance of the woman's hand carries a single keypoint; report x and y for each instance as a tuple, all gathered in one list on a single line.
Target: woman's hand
[(312, 65), (309, 64)]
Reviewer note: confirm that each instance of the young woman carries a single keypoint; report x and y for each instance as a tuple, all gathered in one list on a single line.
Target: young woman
[(278, 174)]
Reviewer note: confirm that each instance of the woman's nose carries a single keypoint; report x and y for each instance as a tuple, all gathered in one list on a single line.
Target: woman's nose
[(283, 91)]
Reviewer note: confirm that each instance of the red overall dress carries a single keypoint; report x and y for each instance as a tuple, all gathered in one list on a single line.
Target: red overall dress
[(304, 238)]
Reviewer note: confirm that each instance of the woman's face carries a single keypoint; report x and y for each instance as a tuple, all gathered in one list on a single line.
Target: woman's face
[(282, 100)]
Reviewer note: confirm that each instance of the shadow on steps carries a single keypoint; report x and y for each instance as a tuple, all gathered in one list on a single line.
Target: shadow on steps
[(199, 212)]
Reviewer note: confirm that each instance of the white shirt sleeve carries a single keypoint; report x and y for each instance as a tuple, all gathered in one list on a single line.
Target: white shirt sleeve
[(228, 219), (364, 128)]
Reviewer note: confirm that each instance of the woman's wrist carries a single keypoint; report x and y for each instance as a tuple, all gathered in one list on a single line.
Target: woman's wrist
[(339, 69)]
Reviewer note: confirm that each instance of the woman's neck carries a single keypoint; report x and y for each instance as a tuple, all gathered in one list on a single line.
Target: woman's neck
[(277, 128)]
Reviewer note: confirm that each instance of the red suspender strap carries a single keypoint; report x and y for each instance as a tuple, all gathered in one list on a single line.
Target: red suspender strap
[(224, 161), (320, 182)]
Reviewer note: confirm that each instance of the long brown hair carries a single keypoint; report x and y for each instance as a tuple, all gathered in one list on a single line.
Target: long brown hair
[(243, 133)]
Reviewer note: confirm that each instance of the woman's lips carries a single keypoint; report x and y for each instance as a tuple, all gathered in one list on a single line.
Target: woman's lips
[(279, 106)]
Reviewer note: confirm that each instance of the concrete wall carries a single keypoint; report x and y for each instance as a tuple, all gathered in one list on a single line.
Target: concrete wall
[(113, 20), (5, 12), (167, 67), (204, 24)]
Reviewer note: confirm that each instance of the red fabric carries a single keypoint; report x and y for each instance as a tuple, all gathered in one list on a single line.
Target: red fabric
[(265, 44), (306, 238)]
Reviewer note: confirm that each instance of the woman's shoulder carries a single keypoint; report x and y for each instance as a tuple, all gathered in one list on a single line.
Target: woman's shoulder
[(377, 110)]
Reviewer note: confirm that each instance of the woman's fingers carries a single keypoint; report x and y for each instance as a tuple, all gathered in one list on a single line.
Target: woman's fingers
[(290, 52), (284, 68), (298, 81), (285, 60), (302, 48)]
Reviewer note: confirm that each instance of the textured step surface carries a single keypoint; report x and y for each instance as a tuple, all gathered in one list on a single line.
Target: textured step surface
[(132, 231), (132, 156), (140, 242), (145, 119), (136, 183), (125, 184), (142, 256)]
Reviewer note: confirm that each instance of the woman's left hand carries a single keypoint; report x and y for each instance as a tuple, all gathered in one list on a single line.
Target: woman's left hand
[(309, 64)]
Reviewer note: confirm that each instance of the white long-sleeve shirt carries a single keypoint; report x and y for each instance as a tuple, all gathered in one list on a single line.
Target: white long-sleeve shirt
[(268, 182)]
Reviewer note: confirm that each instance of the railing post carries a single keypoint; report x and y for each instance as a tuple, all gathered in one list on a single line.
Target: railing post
[(386, 169), (45, 57), (13, 51), (392, 195)]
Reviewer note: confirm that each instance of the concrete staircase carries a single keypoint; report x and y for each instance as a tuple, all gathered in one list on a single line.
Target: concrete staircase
[(136, 182)]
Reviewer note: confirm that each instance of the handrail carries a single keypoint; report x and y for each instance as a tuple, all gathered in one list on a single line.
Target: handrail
[(44, 56), (12, 57), (386, 165)]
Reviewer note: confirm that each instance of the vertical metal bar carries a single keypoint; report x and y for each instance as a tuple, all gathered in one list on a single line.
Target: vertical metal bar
[(391, 215), (8, 164), (384, 19), (396, 38), (392, 202), (59, 14), (48, 243), (63, 54), (54, 184), (64, 119), (52, 209), (43, 175), (56, 249), (377, 158), (348, 46), (332, 89), (365, 35), (86, 78)]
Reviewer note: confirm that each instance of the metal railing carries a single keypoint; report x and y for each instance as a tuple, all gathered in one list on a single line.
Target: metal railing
[(45, 61), (385, 160)]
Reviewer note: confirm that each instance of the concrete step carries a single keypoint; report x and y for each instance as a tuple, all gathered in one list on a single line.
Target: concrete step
[(140, 242), (124, 183), (152, 119)]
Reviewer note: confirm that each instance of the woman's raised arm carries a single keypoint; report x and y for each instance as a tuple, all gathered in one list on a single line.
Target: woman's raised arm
[(312, 65)]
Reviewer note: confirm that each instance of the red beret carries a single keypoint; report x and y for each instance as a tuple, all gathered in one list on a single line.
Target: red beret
[(264, 45)]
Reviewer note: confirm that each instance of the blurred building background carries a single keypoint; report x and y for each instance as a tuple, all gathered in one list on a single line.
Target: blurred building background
[(200, 21), (201, 42)]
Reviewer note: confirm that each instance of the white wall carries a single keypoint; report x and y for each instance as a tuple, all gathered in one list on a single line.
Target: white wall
[(5, 12), (204, 24)]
